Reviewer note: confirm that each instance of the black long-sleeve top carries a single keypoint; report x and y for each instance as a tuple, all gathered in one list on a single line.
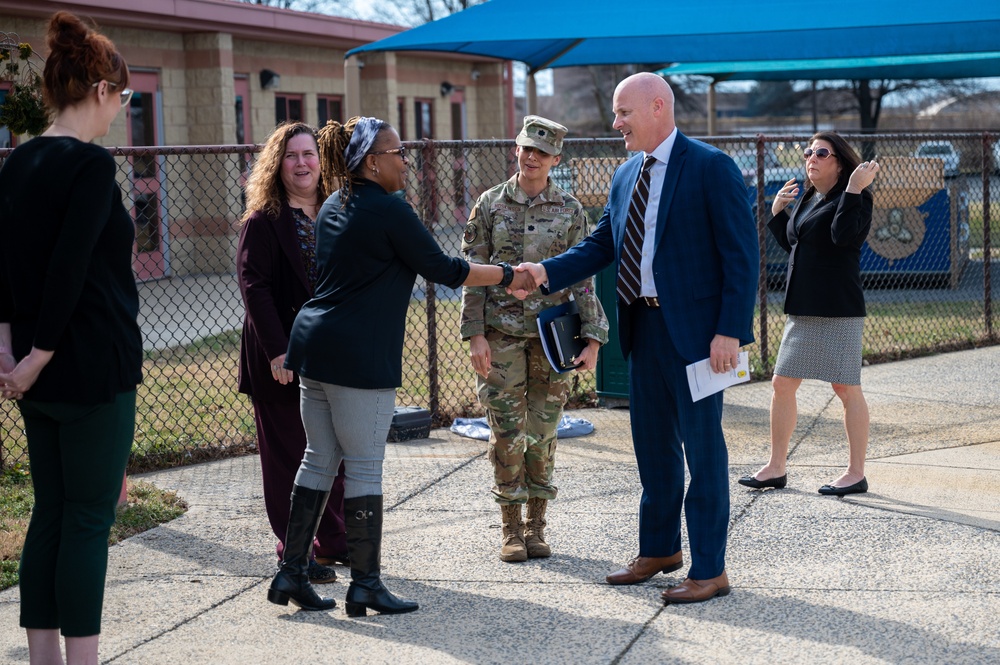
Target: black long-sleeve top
[(66, 280), (368, 254)]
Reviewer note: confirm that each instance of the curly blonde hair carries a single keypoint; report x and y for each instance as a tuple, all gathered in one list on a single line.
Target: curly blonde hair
[(264, 190), (334, 138)]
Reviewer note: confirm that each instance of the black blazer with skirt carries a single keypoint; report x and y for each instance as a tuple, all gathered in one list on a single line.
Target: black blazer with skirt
[(824, 255)]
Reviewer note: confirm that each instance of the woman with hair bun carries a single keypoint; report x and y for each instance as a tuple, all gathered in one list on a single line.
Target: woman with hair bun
[(70, 347), (346, 345)]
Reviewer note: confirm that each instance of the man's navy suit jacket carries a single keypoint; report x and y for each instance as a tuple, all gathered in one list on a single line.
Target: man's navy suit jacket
[(706, 261)]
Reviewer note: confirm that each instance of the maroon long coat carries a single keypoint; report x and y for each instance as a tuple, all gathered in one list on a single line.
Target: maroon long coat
[(274, 286)]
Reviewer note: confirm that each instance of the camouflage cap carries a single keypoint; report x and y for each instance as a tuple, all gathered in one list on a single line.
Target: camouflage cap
[(542, 133)]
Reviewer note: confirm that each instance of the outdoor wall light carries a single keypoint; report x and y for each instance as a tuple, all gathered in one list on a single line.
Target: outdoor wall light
[(475, 75), (446, 88), (269, 80)]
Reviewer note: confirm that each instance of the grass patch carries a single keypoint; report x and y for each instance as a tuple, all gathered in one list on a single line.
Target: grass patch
[(146, 508), (976, 224), (456, 379), (893, 331), (189, 409)]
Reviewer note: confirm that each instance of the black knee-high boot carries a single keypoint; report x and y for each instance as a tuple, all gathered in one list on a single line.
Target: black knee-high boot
[(291, 583), (363, 516)]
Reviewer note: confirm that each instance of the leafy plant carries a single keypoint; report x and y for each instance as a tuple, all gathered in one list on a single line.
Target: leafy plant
[(23, 110)]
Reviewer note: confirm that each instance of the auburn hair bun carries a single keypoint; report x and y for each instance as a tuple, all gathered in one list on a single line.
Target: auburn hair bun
[(79, 56)]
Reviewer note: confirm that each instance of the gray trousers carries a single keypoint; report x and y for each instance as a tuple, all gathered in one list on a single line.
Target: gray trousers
[(344, 424)]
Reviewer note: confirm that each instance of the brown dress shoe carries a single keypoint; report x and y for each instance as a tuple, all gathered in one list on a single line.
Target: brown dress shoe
[(696, 591), (642, 568)]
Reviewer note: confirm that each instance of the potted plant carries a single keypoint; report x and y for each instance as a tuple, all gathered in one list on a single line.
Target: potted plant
[(23, 111)]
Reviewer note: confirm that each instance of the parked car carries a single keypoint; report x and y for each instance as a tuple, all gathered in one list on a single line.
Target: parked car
[(775, 176), (996, 157), (943, 150), (774, 172)]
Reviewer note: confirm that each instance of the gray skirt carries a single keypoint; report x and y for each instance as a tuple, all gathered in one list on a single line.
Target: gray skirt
[(823, 348)]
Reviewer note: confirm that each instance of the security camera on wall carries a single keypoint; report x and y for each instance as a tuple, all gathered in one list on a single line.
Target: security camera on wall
[(269, 80)]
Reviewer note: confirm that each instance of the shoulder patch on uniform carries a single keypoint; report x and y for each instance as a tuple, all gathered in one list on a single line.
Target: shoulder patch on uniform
[(471, 231)]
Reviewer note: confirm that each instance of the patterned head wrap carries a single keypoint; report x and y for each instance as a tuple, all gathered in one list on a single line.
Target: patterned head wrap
[(361, 142)]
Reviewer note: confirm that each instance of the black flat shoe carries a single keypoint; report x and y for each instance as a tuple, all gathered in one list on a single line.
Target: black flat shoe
[(859, 487), (320, 574), (776, 483)]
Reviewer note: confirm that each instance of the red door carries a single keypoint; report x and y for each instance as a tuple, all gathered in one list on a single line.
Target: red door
[(241, 86), (460, 186), (145, 129)]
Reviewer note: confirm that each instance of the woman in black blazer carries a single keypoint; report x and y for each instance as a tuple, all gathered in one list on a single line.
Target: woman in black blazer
[(347, 346), (824, 302), (276, 268), (70, 347)]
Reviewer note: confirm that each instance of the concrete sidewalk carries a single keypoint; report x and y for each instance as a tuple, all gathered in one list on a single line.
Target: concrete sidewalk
[(909, 572)]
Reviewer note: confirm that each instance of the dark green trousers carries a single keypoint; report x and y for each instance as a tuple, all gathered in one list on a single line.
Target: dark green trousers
[(78, 455)]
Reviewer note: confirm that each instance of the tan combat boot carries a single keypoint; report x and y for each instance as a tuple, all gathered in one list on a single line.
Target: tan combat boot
[(513, 534), (534, 530)]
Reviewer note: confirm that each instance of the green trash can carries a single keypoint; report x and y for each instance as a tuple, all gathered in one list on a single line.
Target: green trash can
[(612, 369)]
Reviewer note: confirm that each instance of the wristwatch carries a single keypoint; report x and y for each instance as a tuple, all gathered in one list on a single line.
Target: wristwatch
[(508, 274)]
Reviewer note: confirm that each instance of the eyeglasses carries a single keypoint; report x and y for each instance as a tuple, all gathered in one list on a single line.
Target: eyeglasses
[(401, 151), (821, 153), (125, 94)]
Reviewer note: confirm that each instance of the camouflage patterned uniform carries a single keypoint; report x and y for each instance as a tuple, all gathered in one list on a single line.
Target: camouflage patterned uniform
[(523, 396)]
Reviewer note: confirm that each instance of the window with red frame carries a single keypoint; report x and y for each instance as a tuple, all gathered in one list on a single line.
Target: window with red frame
[(329, 107), (287, 107), (423, 118)]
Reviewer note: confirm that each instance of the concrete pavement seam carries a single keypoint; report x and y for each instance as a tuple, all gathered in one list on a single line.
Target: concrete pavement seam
[(257, 582), (434, 482), (642, 631)]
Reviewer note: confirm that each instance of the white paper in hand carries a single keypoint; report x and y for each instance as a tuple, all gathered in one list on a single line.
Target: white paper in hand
[(704, 382)]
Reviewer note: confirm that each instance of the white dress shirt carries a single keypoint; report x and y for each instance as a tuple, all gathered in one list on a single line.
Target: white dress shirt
[(656, 175)]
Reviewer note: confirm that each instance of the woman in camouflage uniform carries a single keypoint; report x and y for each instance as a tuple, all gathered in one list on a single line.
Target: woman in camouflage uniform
[(527, 218)]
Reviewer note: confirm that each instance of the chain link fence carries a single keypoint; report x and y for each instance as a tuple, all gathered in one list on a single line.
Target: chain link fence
[(926, 266)]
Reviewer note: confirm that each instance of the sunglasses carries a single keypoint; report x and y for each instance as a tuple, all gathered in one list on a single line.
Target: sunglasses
[(821, 153), (401, 151), (125, 95)]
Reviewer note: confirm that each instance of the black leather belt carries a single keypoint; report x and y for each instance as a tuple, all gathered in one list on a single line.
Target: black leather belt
[(649, 301)]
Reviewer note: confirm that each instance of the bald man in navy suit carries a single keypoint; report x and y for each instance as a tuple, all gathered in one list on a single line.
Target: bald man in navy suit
[(693, 298)]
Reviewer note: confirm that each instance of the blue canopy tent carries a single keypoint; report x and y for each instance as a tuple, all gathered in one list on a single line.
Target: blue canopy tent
[(931, 66), (565, 33), (938, 66)]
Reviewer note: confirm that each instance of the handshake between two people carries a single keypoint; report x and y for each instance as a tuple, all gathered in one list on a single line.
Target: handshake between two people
[(527, 278)]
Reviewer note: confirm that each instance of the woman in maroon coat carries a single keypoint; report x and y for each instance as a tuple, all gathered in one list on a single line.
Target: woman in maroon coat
[(276, 265)]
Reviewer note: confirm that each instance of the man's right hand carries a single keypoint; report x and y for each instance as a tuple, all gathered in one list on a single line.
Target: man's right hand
[(527, 278)]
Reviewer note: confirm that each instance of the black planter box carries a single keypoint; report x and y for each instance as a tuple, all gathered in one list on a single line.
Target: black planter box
[(410, 422)]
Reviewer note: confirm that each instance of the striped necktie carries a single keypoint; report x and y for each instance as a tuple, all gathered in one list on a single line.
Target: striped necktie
[(629, 277)]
